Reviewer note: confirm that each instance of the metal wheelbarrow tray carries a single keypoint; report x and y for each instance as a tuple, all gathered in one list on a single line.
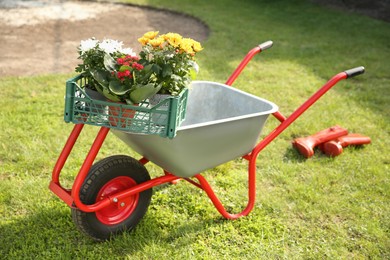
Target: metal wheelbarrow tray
[(222, 123)]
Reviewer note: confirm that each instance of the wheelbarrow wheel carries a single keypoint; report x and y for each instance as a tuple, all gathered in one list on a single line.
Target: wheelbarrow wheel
[(106, 177)]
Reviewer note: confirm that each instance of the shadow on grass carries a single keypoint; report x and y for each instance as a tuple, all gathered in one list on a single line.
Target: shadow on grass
[(51, 233)]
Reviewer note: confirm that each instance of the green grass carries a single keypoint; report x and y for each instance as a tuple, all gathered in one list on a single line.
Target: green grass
[(317, 208)]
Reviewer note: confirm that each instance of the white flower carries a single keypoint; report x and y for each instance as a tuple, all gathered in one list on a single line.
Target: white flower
[(88, 45), (194, 65), (110, 46), (129, 51)]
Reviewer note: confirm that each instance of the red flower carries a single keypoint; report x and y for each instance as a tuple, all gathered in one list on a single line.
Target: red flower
[(137, 66), (119, 61), (120, 75)]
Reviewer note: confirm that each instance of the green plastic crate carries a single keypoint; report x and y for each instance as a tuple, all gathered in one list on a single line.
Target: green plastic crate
[(161, 119)]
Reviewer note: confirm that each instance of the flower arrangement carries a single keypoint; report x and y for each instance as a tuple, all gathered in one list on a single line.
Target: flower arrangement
[(165, 65), (171, 58)]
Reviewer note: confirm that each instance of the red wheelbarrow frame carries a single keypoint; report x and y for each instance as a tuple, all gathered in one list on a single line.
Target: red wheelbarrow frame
[(72, 198)]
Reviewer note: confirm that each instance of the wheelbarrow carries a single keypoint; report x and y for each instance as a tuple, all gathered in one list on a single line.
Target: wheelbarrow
[(222, 123)]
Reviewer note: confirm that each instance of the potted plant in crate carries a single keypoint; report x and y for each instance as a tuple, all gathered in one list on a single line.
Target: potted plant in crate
[(113, 71), (171, 58), (115, 74), (165, 65)]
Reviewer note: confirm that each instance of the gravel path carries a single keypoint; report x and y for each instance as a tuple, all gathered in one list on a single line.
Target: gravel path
[(41, 36)]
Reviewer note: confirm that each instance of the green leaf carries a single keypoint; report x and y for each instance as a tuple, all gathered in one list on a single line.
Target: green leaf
[(109, 63), (145, 74), (101, 76), (124, 68), (148, 68), (142, 92), (110, 96), (166, 70), (155, 68), (117, 87)]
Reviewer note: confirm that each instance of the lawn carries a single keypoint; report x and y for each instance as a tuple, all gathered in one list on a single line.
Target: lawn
[(334, 208)]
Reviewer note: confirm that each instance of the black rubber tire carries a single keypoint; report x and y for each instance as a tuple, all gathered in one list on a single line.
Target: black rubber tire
[(100, 174)]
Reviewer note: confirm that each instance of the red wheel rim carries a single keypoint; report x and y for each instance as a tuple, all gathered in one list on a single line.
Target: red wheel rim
[(115, 214)]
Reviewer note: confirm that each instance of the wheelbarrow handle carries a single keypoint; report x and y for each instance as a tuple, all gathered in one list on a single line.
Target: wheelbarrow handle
[(354, 72), (261, 47), (286, 121)]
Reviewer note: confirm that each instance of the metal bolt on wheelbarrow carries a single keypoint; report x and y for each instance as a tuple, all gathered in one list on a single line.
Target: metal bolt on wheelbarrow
[(222, 124)]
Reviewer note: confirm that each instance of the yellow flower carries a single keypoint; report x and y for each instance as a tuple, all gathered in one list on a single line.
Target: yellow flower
[(173, 39), (186, 45), (156, 42), (143, 40), (151, 34), (196, 46)]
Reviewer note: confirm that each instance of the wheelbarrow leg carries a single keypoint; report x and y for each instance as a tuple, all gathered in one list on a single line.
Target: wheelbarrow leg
[(65, 153), (251, 193), (86, 166)]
